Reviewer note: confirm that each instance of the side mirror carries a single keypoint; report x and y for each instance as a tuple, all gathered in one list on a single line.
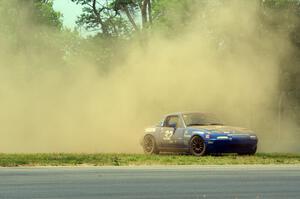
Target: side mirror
[(173, 125)]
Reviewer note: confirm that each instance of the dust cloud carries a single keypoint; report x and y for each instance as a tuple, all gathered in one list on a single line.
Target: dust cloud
[(222, 62)]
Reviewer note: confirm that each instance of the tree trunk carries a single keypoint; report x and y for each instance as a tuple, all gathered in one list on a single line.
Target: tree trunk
[(130, 18), (280, 103), (144, 13), (97, 14), (150, 11)]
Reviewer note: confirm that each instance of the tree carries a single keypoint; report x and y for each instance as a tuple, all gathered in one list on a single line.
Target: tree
[(283, 16), (113, 17), (29, 27), (44, 14), (174, 16), (38, 12), (135, 6), (101, 17)]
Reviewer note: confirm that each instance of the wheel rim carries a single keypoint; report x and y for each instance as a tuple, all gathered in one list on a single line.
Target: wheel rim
[(197, 145), (148, 144)]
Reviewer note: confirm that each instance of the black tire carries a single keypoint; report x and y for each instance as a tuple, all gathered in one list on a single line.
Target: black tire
[(197, 146), (149, 145)]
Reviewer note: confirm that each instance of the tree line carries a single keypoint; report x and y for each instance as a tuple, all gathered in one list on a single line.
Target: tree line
[(113, 23)]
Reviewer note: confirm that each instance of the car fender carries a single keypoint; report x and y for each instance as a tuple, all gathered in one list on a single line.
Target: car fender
[(150, 131), (190, 133)]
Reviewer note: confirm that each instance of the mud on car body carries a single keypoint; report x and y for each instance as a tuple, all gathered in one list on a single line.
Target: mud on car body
[(197, 133)]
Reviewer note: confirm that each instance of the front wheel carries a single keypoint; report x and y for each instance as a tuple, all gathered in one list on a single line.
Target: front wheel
[(197, 146), (149, 145)]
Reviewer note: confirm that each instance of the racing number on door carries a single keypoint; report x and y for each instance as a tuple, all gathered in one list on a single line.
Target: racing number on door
[(168, 134)]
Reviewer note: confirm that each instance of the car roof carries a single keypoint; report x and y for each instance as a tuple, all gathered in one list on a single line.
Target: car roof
[(182, 113)]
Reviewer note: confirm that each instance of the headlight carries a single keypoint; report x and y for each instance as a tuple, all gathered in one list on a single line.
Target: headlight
[(253, 137), (222, 137), (207, 136)]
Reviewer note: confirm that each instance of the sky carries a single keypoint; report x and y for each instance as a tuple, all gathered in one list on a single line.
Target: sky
[(69, 10)]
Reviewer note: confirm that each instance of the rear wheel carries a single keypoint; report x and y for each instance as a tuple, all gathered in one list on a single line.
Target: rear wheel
[(197, 146), (149, 145)]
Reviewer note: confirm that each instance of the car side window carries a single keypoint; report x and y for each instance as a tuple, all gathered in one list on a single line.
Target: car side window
[(172, 120), (160, 123)]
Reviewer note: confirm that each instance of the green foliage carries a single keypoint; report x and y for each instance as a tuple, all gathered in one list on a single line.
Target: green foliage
[(33, 30), (173, 16), (40, 12), (29, 16), (284, 16), (102, 18), (96, 50), (280, 4), (44, 14), (33, 27), (69, 159), (115, 17), (118, 4)]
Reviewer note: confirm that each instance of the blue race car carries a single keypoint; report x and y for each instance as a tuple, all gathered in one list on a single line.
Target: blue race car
[(197, 133)]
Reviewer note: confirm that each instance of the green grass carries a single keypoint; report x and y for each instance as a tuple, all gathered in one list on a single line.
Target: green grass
[(103, 159)]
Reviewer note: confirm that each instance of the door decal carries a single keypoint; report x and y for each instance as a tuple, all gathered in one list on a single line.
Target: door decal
[(168, 135)]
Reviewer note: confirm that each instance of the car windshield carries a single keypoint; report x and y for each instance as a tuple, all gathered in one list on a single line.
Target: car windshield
[(194, 119)]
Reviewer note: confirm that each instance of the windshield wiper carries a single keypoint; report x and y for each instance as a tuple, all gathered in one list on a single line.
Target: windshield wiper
[(215, 124), (196, 124)]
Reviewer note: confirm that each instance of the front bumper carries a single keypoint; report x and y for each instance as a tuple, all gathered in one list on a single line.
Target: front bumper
[(231, 145)]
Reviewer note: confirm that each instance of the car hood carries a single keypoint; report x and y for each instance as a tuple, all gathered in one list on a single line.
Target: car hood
[(222, 129)]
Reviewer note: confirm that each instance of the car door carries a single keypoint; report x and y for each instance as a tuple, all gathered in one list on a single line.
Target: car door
[(171, 133), (177, 137)]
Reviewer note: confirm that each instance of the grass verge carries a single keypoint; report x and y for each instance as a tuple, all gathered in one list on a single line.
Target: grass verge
[(103, 159)]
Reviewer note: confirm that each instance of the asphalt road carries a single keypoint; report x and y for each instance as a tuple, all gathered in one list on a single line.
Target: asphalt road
[(151, 182)]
